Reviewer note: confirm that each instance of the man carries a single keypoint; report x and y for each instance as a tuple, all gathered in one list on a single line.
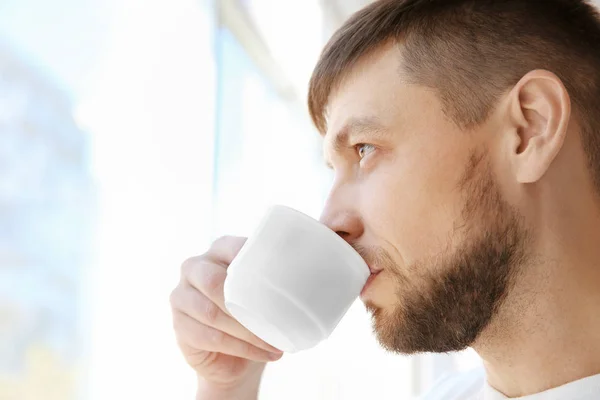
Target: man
[(465, 139)]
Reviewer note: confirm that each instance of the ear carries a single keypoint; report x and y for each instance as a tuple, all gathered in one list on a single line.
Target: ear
[(540, 110)]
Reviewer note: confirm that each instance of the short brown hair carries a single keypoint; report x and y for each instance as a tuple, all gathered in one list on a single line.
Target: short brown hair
[(472, 51)]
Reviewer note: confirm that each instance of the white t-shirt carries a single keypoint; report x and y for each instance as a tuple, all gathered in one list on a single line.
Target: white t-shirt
[(473, 386)]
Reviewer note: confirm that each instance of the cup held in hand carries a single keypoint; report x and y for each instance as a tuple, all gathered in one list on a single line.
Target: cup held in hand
[(293, 280)]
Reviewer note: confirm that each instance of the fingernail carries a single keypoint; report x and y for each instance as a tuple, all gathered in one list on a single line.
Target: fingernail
[(275, 357)]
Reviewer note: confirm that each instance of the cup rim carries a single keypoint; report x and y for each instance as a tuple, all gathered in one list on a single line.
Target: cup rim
[(335, 236)]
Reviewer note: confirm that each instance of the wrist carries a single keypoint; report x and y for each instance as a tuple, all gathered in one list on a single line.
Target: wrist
[(210, 391), (247, 390)]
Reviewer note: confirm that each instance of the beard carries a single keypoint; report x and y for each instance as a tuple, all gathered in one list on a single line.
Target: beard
[(446, 302)]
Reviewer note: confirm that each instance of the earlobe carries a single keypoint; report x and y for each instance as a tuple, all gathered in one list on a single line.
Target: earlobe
[(541, 110)]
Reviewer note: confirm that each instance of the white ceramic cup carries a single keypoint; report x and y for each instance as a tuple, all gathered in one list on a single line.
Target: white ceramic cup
[(293, 280)]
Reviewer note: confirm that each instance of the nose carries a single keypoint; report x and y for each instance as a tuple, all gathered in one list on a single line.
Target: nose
[(343, 220)]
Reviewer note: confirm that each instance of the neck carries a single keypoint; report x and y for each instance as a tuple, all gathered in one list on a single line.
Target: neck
[(547, 333)]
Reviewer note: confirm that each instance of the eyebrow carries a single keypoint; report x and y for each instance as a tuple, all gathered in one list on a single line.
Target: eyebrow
[(354, 127)]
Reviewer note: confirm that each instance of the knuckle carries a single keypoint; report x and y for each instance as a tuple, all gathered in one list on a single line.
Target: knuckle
[(215, 337), (250, 351), (188, 265), (211, 282), (211, 312)]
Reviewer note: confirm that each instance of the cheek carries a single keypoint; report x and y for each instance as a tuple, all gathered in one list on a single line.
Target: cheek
[(413, 205)]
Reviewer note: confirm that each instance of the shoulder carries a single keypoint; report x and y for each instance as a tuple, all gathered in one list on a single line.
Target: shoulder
[(462, 386)]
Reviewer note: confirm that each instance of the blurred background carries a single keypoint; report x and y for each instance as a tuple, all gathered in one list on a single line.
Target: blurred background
[(133, 133)]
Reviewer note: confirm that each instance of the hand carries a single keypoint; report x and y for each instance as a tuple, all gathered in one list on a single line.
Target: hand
[(224, 354)]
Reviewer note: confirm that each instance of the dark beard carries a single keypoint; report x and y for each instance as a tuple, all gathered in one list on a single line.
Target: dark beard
[(459, 294)]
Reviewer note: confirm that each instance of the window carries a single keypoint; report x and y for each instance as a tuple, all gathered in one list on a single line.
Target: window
[(266, 153), (106, 164)]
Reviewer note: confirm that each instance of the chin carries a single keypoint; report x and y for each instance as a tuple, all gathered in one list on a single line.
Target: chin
[(381, 319)]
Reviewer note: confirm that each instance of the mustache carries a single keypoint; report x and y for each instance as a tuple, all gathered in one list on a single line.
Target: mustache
[(375, 256)]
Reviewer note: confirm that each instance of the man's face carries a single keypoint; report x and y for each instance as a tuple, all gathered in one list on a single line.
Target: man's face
[(418, 198)]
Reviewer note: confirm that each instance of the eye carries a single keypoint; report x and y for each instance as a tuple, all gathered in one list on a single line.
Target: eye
[(364, 149)]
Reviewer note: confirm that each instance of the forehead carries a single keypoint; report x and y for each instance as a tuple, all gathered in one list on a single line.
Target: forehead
[(375, 87)]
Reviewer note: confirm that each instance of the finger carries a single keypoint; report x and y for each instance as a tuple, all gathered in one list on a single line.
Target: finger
[(193, 303), (206, 277), (225, 249), (206, 338), (222, 253)]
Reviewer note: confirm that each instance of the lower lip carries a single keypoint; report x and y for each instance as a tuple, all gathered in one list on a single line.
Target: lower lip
[(369, 282)]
